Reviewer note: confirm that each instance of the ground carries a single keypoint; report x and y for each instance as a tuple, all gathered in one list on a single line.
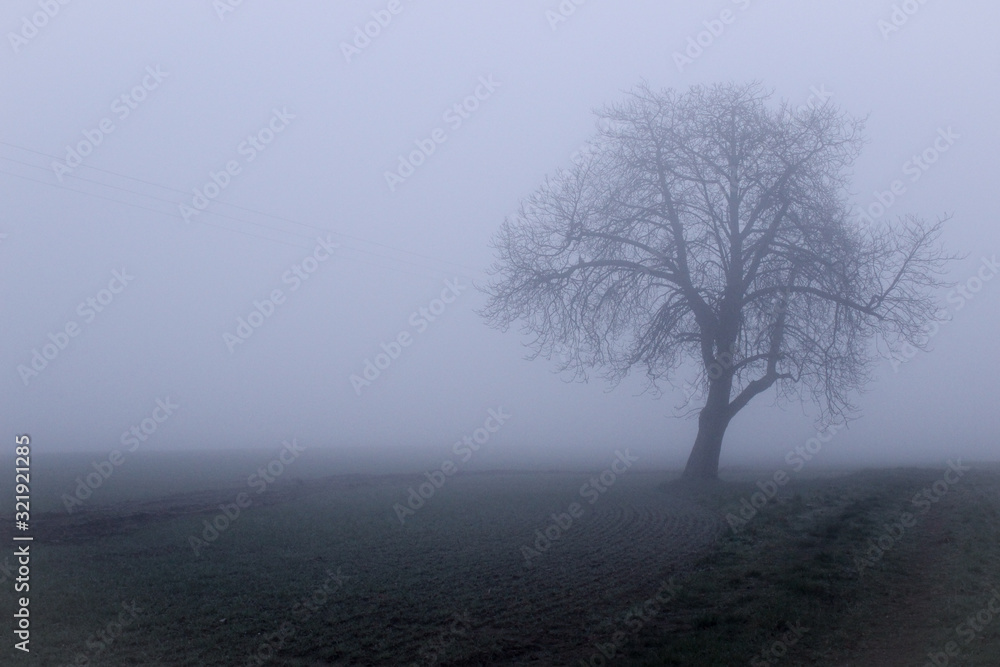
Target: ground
[(523, 569)]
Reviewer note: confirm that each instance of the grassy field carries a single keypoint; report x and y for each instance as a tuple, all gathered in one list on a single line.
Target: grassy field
[(888, 567)]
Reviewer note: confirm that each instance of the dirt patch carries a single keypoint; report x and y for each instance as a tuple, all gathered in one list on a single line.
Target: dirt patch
[(101, 521)]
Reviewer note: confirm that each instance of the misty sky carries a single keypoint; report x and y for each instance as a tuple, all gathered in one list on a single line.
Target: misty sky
[(293, 133)]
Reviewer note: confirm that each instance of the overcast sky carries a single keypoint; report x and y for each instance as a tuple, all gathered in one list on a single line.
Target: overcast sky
[(286, 118)]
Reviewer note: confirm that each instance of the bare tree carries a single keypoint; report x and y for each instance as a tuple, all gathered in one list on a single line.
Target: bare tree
[(709, 226)]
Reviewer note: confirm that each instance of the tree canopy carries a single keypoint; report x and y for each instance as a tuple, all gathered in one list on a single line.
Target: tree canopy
[(711, 226)]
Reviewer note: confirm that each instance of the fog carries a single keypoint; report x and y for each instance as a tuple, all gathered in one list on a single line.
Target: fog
[(237, 149)]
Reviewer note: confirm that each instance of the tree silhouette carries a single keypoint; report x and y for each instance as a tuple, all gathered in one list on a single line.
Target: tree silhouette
[(708, 226)]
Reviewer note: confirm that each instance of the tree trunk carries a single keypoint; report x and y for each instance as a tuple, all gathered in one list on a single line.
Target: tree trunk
[(703, 463)]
